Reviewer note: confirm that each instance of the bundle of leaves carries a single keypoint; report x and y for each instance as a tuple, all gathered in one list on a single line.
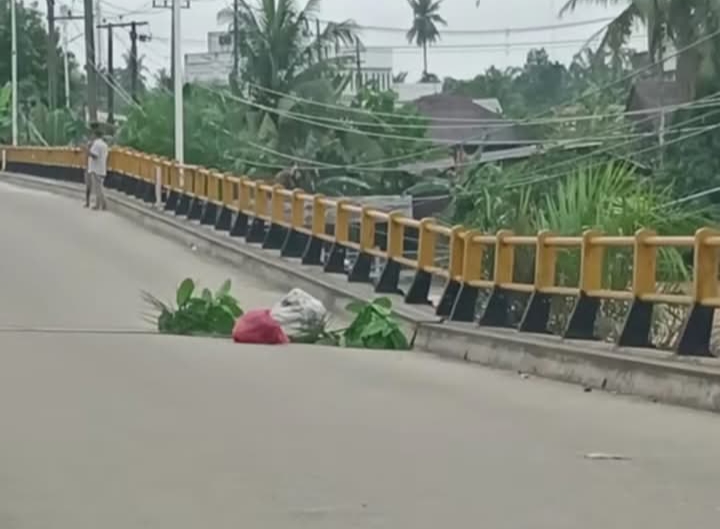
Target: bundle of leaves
[(374, 327), (206, 314)]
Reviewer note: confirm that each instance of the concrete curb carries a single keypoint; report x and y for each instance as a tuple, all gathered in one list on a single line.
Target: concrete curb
[(663, 377)]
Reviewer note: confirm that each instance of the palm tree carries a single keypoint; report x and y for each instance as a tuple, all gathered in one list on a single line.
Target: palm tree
[(424, 30), (682, 22), (279, 47)]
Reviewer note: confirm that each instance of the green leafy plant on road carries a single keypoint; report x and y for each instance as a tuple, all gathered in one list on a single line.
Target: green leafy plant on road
[(197, 312), (374, 327)]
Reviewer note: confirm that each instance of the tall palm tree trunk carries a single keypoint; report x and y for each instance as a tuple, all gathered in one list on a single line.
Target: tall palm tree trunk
[(425, 69)]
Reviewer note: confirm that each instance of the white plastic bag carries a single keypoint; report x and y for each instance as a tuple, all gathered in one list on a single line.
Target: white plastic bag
[(300, 315)]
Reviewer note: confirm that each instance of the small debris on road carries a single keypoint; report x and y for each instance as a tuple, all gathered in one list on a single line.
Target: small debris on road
[(599, 456)]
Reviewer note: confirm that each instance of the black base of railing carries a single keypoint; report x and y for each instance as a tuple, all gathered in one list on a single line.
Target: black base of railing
[(149, 192), (389, 279), (256, 233), (581, 325), (360, 271), (240, 226), (197, 205), (294, 244), (420, 289), (275, 237), (465, 304), (447, 301), (183, 206), (335, 263), (537, 314), (172, 201), (224, 219), (638, 322), (138, 189), (697, 332), (496, 309), (313, 252), (209, 214)]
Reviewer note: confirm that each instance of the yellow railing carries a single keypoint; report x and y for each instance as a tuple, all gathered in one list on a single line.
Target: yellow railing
[(296, 223)]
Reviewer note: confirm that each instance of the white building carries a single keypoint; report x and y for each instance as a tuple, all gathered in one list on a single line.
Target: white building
[(213, 66), (376, 66)]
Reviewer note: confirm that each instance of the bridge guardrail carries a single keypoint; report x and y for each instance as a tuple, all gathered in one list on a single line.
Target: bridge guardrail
[(276, 218)]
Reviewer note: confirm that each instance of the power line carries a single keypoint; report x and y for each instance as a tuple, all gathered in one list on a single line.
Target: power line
[(342, 126)]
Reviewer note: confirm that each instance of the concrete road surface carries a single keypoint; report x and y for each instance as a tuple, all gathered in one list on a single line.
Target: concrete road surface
[(117, 430)]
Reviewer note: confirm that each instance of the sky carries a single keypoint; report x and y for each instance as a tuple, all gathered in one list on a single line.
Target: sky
[(460, 55)]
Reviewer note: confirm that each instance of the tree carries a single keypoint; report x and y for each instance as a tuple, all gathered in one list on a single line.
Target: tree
[(682, 22), (280, 49), (424, 30), (33, 41)]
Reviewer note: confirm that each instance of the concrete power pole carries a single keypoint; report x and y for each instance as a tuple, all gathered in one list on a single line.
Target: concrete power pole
[(65, 16), (14, 70), (169, 4), (98, 35), (236, 47), (133, 61), (90, 61), (133, 25), (51, 56), (178, 86)]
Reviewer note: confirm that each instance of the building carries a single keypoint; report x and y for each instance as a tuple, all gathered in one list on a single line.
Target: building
[(459, 121), (376, 67), (652, 103), (213, 66)]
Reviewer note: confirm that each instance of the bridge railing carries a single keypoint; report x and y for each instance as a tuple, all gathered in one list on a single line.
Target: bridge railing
[(322, 231)]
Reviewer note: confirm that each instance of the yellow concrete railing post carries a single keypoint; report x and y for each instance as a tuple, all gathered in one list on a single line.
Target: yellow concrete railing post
[(696, 334), (638, 322), (581, 324), (496, 309), (455, 271), (297, 210), (427, 243), (537, 312)]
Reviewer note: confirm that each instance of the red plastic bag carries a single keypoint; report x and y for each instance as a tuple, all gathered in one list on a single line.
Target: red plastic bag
[(257, 326)]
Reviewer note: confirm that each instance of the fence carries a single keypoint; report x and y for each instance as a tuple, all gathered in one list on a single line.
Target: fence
[(275, 218)]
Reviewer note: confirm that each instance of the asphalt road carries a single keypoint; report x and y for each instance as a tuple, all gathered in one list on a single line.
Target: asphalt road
[(102, 428)]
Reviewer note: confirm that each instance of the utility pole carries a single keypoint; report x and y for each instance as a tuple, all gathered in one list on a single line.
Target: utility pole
[(358, 64), (14, 74), (236, 46), (65, 16), (133, 25), (178, 86), (168, 4), (319, 44), (66, 65), (90, 60), (111, 77), (98, 34), (51, 55), (133, 60)]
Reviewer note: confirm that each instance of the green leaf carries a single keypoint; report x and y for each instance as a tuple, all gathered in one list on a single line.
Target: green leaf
[(207, 296), (355, 307), (383, 302), (376, 327), (224, 290), (184, 292), (399, 341)]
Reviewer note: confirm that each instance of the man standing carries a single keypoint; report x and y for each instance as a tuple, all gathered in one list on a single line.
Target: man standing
[(97, 166)]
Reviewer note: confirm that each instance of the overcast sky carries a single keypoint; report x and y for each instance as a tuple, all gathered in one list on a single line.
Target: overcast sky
[(501, 49)]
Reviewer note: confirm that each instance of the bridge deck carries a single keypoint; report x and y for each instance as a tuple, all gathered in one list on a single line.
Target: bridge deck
[(124, 430)]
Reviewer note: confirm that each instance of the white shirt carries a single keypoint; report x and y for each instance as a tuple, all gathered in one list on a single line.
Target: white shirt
[(97, 163)]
